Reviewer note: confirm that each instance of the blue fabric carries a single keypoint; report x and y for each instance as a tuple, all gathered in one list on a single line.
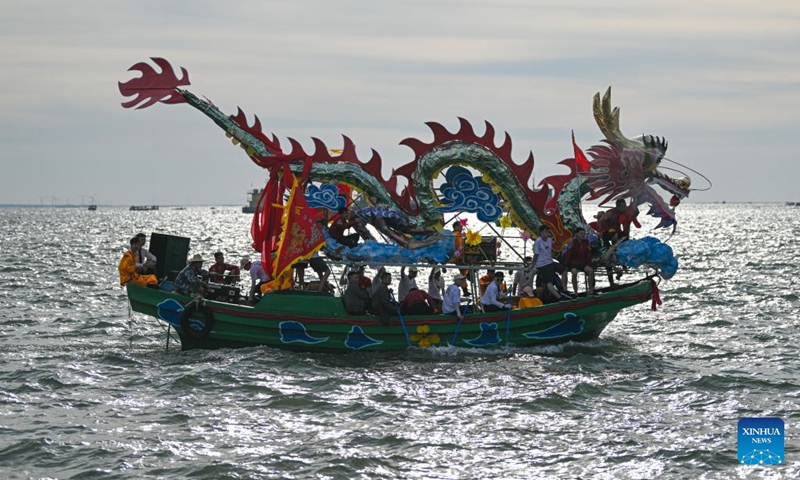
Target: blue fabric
[(648, 251), (377, 253)]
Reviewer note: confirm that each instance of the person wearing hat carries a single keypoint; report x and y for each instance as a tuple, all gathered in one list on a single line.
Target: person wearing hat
[(257, 276), (188, 282), (407, 282), (451, 303), (128, 272), (528, 298), (495, 299)]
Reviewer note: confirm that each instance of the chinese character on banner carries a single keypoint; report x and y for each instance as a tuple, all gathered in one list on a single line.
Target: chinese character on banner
[(302, 236)]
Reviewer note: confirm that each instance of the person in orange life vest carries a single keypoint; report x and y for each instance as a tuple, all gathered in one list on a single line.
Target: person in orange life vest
[(579, 258), (458, 256), (147, 261), (218, 269), (528, 298), (128, 272), (418, 302)]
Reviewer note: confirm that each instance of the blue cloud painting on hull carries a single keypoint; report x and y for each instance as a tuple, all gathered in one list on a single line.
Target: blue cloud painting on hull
[(357, 339), (489, 336), (295, 332), (571, 325)]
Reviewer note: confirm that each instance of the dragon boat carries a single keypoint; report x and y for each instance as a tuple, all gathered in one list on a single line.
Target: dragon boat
[(454, 174), (316, 322)]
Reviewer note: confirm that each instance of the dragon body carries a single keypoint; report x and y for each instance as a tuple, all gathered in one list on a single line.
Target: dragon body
[(619, 168)]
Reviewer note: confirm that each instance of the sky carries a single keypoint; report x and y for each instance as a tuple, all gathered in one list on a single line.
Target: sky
[(719, 79)]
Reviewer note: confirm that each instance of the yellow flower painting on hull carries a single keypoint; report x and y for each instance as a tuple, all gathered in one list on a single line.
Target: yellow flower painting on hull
[(473, 238), (424, 338)]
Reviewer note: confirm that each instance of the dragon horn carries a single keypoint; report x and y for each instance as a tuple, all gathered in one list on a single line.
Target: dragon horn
[(608, 119)]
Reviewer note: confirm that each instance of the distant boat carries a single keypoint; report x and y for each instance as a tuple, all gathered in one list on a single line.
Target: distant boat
[(252, 199), (92, 208), (793, 204), (143, 207)]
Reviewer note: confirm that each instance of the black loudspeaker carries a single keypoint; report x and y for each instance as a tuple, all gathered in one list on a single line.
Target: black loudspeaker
[(485, 252), (171, 253)]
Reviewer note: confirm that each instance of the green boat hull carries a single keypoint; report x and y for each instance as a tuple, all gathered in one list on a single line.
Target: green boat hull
[(309, 322)]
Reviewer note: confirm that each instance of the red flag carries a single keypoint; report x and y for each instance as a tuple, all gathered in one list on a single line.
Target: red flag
[(266, 226), (581, 162), (301, 234)]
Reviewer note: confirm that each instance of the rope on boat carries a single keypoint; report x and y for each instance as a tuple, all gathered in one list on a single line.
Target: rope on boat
[(402, 322), (130, 325), (508, 325)]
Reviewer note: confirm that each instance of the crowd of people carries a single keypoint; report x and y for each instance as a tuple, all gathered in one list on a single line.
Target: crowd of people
[(541, 279)]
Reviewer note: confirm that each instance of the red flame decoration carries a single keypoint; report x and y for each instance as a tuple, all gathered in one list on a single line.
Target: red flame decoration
[(153, 87)]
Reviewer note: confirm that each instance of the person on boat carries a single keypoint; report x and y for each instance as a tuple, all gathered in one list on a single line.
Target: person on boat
[(355, 298), (543, 261), (615, 224), (346, 220), (579, 259), (129, 272), (382, 302), (322, 270), (524, 276), (146, 261), (451, 303), (363, 281), (494, 299), (257, 277), (418, 302), (528, 298), (458, 256), (436, 286), (190, 281), (486, 280), (219, 268), (376, 281), (407, 282)]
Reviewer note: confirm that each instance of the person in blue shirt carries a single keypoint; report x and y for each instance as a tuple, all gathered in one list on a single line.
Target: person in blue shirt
[(190, 281)]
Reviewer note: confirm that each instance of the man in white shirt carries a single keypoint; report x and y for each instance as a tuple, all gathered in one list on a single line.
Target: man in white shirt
[(257, 276), (407, 282), (146, 260), (543, 261), (451, 304), (436, 285), (494, 299)]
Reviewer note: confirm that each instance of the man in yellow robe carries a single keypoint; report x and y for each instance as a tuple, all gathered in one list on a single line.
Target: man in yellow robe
[(128, 272)]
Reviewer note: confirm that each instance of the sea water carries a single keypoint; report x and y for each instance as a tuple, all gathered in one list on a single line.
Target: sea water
[(89, 390)]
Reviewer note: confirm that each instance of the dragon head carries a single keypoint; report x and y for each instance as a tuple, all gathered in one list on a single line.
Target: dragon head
[(627, 167)]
